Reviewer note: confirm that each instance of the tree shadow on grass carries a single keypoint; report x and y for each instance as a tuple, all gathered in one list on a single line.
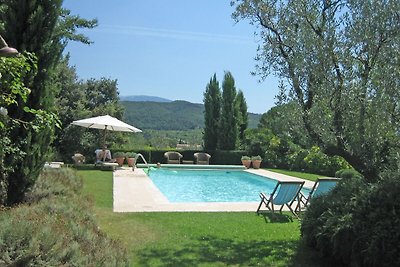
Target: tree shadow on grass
[(307, 257), (271, 217), (214, 251)]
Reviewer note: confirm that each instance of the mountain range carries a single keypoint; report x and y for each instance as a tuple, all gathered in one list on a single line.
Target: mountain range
[(144, 98), (173, 115)]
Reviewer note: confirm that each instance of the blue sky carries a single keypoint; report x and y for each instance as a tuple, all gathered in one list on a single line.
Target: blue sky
[(169, 48)]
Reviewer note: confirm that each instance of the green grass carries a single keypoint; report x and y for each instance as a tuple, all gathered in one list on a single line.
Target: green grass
[(302, 175), (198, 238), (98, 185)]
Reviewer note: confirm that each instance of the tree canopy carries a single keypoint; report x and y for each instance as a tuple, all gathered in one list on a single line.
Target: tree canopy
[(228, 128), (212, 111), (341, 60), (242, 115), (76, 99), (42, 28)]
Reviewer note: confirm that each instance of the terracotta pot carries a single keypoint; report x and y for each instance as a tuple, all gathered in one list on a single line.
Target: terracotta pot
[(120, 161), (256, 164), (131, 162), (246, 163)]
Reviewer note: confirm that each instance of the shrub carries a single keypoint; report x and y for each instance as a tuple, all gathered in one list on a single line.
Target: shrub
[(320, 163), (55, 182), (257, 141), (348, 174), (56, 228), (130, 154), (296, 161), (357, 223), (119, 154), (223, 157)]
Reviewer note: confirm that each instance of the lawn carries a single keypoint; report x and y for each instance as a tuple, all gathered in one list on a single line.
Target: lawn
[(302, 175), (198, 238)]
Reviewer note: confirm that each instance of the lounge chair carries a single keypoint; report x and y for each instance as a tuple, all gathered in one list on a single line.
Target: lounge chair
[(285, 193), (173, 157), (202, 158), (321, 187)]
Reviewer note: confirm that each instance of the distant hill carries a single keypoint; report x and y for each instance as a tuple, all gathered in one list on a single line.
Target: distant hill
[(175, 115), (144, 98)]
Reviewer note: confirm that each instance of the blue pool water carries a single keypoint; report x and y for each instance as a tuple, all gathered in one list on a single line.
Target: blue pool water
[(211, 185)]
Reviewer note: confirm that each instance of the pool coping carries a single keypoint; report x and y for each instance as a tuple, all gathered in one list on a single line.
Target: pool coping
[(133, 191), (193, 166)]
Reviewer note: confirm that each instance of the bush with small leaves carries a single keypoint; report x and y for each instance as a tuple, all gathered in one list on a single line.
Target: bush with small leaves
[(56, 228), (357, 224), (348, 174)]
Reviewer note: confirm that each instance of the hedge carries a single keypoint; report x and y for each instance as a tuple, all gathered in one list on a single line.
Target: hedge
[(218, 157)]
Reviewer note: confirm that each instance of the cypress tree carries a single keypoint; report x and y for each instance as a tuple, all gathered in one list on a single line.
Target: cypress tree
[(212, 109), (228, 131), (41, 27), (243, 117)]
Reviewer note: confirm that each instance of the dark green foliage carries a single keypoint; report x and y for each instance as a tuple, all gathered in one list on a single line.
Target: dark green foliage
[(318, 162), (130, 154), (228, 128), (119, 154), (285, 120), (212, 113), (176, 115), (223, 157), (218, 157), (340, 59), (161, 139), (77, 100), (102, 97), (358, 223), (348, 174), (43, 28), (328, 216), (283, 137), (70, 96), (13, 72), (154, 156), (281, 152), (257, 141), (242, 118), (57, 228)]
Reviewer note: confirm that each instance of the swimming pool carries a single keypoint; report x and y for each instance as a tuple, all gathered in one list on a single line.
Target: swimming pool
[(211, 185)]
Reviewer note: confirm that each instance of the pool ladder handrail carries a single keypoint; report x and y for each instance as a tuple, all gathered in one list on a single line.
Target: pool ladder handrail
[(144, 160)]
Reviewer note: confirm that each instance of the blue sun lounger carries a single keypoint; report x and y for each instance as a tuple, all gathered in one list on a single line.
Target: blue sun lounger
[(285, 193), (322, 186)]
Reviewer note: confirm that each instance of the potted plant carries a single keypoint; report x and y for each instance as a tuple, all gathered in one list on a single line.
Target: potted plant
[(256, 161), (246, 161), (119, 158), (131, 158)]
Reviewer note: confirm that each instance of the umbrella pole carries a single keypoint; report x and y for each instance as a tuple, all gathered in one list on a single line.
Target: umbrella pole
[(104, 136)]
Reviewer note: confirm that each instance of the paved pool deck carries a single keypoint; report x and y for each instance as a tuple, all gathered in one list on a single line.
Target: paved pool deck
[(133, 191)]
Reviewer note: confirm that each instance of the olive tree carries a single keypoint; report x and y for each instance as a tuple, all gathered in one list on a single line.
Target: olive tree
[(342, 62)]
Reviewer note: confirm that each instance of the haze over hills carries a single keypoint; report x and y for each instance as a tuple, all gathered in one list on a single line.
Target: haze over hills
[(144, 98), (175, 115)]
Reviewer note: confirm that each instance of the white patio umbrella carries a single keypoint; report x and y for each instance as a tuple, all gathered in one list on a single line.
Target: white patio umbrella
[(106, 123)]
